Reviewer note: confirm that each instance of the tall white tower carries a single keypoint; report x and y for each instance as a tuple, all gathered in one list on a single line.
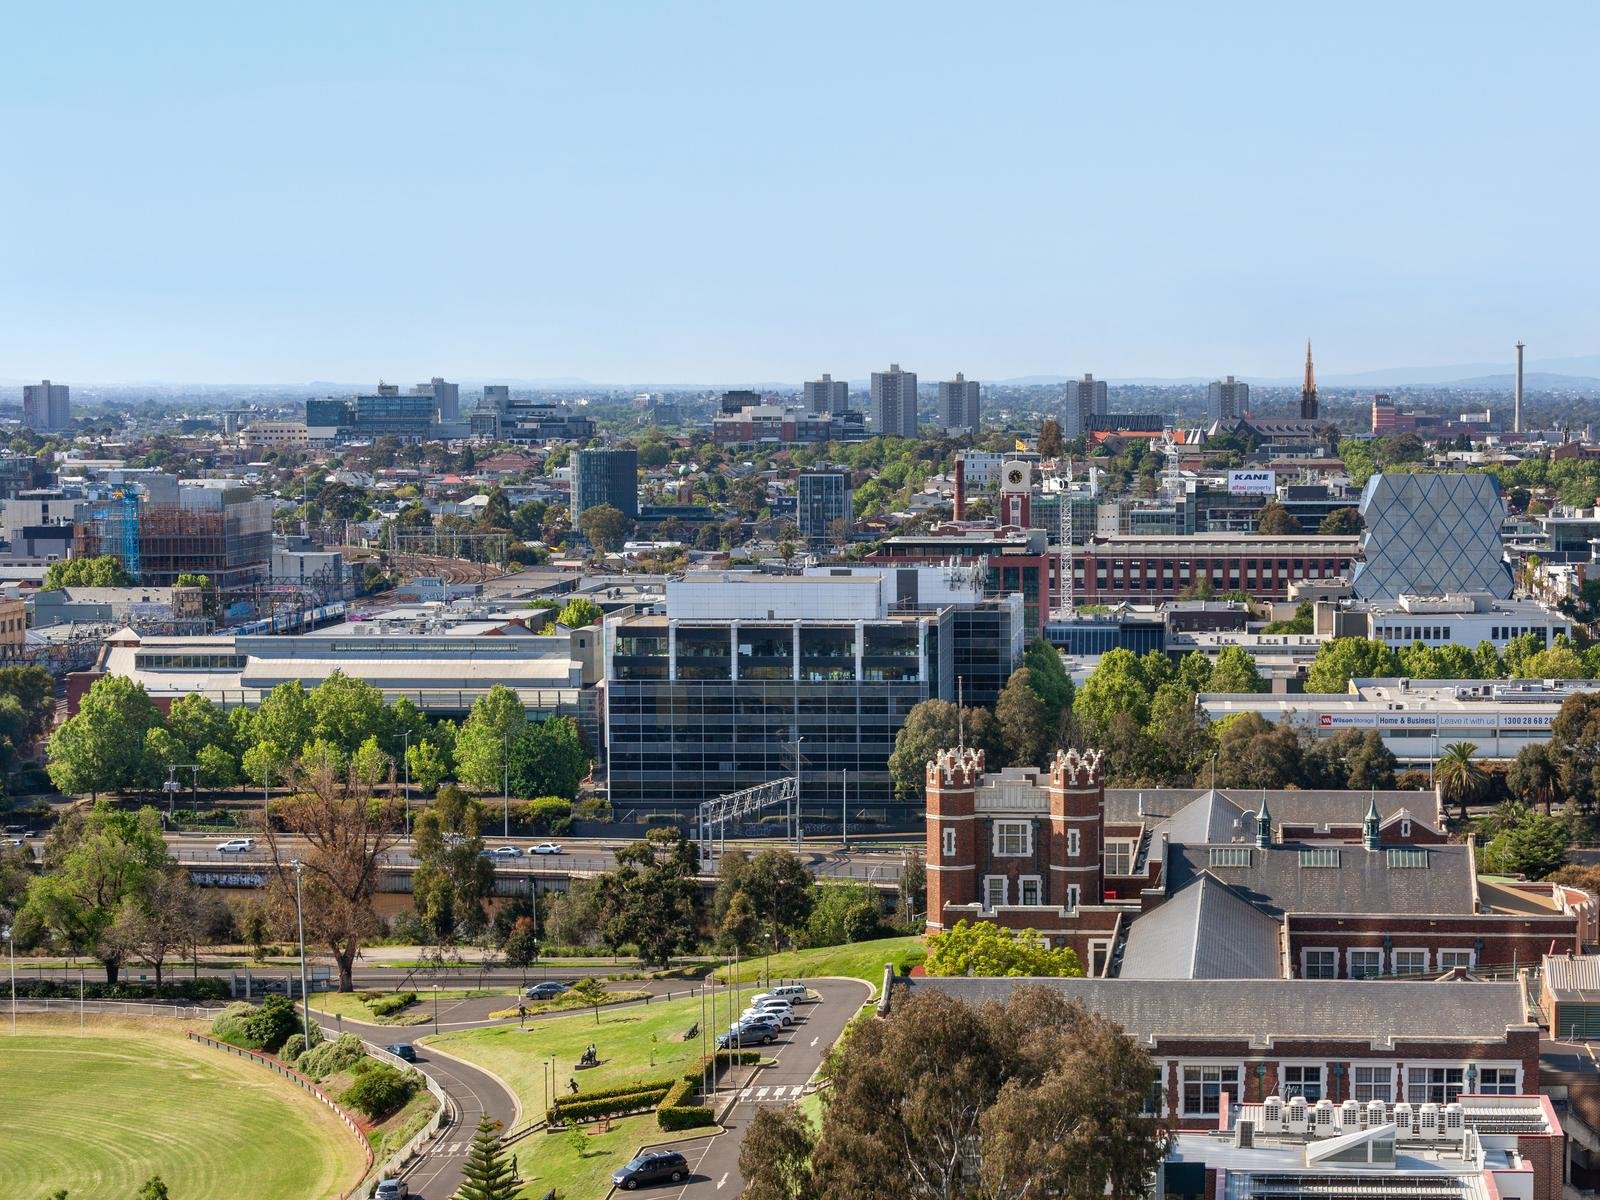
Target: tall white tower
[(1516, 407)]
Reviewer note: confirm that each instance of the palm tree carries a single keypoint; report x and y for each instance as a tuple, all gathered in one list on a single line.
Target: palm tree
[(1460, 778)]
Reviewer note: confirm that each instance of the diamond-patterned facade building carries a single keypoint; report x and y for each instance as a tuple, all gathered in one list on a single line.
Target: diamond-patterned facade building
[(1430, 535)]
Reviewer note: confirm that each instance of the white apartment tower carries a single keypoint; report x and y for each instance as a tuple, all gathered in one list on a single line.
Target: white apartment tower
[(46, 406), (1227, 399), (1086, 400), (826, 395), (958, 405), (894, 402)]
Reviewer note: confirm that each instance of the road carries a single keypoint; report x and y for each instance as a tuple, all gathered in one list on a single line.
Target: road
[(715, 1162)]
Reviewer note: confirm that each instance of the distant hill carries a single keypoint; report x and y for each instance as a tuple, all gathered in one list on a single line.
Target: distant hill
[(1532, 381)]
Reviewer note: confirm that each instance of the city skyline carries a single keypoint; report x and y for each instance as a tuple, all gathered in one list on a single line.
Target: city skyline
[(576, 194)]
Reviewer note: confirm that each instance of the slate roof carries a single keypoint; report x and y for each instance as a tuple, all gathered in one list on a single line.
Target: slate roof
[(1204, 932), (1212, 817), (1287, 807), (1364, 881), (1263, 1010)]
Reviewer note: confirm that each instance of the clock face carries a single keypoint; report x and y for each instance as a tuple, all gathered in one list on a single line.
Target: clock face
[(1014, 476)]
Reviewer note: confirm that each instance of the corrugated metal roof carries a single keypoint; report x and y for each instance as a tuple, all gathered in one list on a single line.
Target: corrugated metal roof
[(1204, 932), (1574, 980)]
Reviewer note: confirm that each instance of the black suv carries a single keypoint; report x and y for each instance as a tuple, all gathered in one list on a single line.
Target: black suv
[(666, 1166)]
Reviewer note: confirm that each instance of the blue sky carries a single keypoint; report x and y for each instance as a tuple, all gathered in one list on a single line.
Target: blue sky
[(722, 192)]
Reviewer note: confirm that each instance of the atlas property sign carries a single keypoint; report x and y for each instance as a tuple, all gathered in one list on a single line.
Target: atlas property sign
[(1252, 483)]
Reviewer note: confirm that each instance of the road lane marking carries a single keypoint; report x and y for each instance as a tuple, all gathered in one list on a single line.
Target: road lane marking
[(722, 1181)]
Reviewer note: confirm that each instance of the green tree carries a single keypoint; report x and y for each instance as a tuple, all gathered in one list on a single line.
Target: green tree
[(1536, 847), (453, 880), (1461, 778), (1117, 685), (931, 726), (604, 526), (153, 1189), (1303, 621), (1024, 728), (1535, 775), (984, 948), (738, 926), (521, 946), (1558, 662), (836, 914), (1047, 676), (1352, 758), (497, 512), (548, 759), (591, 992), (1340, 660), (1274, 518), (1235, 671), (104, 571), (1255, 753), (652, 899), (776, 883), (487, 1174), (775, 1156), (1487, 661), (197, 722), (345, 712), (579, 612), (1050, 444), (1342, 522), (427, 766), (102, 747), (94, 865), (482, 746), (1520, 654), (285, 718)]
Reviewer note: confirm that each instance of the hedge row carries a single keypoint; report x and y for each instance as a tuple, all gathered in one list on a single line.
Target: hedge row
[(207, 987), (673, 1114), (626, 1089), (591, 1109), (387, 1006)]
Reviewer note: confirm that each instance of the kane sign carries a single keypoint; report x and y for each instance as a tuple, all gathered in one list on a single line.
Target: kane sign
[(1251, 483)]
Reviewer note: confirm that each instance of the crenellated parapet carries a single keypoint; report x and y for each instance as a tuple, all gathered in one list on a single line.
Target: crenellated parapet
[(955, 768), (1078, 769)]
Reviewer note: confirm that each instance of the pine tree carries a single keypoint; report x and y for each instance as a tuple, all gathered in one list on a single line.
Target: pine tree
[(487, 1170)]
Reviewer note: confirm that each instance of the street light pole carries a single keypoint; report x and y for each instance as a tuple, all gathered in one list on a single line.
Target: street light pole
[(11, 936), (505, 780), (405, 761), (300, 922)]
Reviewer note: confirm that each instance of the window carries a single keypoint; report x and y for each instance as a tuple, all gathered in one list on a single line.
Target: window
[(1405, 827), (1449, 960), (1072, 897), (1407, 858), (1436, 1085), (1365, 964), (1302, 1081), (1373, 1083), (1229, 856), (994, 891), (1029, 890), (949, 843), (1496, 1081), (1322, 856), (1119, 858), (1320, 964), (1072, 843), (1410, 962), (1203, 1088), (1013, 839), (1154, 1100)]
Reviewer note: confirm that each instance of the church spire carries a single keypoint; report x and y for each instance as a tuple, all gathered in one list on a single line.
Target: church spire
[(1308, 390)]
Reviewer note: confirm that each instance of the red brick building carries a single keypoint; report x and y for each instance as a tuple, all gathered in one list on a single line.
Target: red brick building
[(1147, 568)]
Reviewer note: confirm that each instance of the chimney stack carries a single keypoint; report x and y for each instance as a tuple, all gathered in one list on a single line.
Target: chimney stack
[(1516, 409)]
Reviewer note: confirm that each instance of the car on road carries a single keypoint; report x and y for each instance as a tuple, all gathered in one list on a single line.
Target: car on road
[(747, 1035), (547, 990), (503, 852), (660, 1166), (12, 841), (403, 1050), (392, 1189), (547, 848), (236, 846)]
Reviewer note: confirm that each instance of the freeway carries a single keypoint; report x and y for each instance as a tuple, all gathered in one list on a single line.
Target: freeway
[(578, 856)]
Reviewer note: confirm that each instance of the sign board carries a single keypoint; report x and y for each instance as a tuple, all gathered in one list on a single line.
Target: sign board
[(1252, 483)]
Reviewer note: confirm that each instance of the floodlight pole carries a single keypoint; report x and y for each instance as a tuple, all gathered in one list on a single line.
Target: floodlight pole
[(300, 921)]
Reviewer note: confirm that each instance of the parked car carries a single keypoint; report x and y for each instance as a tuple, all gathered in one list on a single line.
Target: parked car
[(547, 848), (795, 993), (661, 1166), (742, 1035), (392, 1189), (403, 1050), (782, 1017), (546, 990), (504, 852), (236, 846)]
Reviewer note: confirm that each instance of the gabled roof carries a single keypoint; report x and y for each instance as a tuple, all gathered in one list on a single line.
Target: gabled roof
[(1204, 932), (1211, 817), (1319, 807), (1291, 879)]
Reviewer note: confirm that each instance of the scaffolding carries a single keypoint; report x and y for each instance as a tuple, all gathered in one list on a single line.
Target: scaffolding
[(116, 521)]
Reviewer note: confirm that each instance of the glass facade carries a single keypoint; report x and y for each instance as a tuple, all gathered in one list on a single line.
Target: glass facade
[(605, 477), (1429, 535)]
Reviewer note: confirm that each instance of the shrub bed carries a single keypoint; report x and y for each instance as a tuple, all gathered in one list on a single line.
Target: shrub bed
[(197, 990), (672, 1113), (380, 1090), (593, 1108), (329, 1058), (387, 1006)]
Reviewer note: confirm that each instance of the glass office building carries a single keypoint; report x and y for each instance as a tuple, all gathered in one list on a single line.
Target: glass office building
[(1432, 535)]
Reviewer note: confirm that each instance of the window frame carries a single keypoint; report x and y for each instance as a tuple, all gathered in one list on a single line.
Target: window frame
[(1287, 1091), (1117, 847), (1305, 961), (1350, 960), (1074, 843), (1471, 956), (1005, 892), (1220, 1083), (1004, 829), (948, 840), (1394, 960), (1357, 1084)]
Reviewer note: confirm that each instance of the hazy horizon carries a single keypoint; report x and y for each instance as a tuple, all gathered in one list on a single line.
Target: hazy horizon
[(707, 191)]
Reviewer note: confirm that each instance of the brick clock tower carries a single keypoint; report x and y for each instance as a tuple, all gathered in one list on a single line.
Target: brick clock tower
[(1016, 494), (1077, 796), (953, 833)]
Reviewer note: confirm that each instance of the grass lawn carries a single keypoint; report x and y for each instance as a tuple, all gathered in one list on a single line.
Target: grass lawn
[(860, 960), (350, 1004), (98, 1113), (551, 1160), (623, 1038)]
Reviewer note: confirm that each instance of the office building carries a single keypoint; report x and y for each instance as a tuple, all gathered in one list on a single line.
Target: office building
[(822, 498), (384, 413), (826, 395), (1452, 620), (1152, 568), (1013, 561), (496, 397), (446, 398), (203, 527), (894, 402), (1432, 535), (46, 407), (1227, 398), (1308, 390), (1086, 400), (605, 477), (958, 405)]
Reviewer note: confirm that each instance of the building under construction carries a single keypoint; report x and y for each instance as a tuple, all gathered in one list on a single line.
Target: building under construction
[(223, 533)]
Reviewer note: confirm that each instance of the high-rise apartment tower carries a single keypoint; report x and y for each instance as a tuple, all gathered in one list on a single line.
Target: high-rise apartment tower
[(894, 402), (826, 395), (958, 404)]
